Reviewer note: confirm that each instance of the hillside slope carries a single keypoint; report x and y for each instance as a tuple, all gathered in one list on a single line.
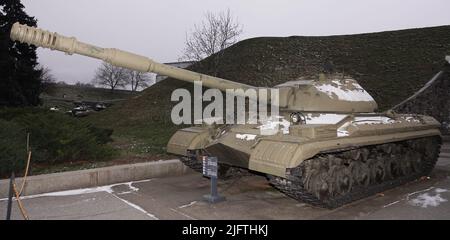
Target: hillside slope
[(390, 65), (64, 96)]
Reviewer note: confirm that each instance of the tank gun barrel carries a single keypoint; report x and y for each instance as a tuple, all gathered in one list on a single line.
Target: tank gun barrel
[(70, 45)]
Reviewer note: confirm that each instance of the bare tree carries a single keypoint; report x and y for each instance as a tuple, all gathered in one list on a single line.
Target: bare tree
[(137, 79), (46, 75), (84, 85), (48, 80), (110, 76), (215, 33)]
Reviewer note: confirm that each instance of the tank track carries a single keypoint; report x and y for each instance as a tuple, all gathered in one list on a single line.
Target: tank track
[(225, 171), (192, 163), (333, 179)]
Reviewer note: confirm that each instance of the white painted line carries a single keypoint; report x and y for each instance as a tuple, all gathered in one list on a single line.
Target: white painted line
[(390, 204), (188, 205), (107, 188), (135, 207), (183, 214)]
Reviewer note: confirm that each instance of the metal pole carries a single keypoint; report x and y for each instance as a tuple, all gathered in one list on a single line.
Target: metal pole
[(214, 187), (10, 195), (210, 169)]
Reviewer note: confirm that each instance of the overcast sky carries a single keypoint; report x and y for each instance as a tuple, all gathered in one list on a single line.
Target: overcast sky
[(157, 28)]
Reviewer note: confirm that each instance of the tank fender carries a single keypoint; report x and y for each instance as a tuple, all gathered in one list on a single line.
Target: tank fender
[(274, 157), (188, 139)]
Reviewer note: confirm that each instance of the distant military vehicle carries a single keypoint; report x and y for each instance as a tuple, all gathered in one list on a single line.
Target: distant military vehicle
[(100, 107), (330, 146)]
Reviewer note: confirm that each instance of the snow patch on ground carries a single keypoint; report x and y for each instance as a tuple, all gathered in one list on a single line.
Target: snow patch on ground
[(425, 200), (89, 199), (133, 188)]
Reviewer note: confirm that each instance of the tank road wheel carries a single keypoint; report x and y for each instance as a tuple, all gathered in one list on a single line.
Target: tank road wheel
[(316, 177), (415, 159), (431, 153), (360, 173), (376, 168), (343, 181), (333, 179), (394, 168), (406, 164)]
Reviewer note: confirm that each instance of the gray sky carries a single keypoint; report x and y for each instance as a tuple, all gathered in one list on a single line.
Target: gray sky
[(157, 28)]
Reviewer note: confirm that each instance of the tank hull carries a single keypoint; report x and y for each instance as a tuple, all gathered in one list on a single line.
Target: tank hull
[(243, 146), (328, 165)]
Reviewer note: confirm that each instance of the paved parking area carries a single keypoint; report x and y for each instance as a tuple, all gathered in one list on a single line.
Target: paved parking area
[(249, 197)]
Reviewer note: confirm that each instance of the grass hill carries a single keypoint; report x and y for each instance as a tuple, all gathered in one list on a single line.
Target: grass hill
[(390, 65)]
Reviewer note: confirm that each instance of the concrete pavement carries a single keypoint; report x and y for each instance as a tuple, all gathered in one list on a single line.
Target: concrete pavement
[(95, 177)]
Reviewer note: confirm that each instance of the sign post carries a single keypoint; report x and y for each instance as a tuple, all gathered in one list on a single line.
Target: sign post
[(10, 196), (210, 169)]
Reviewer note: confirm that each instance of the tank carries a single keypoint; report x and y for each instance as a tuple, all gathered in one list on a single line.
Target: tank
[(330, 146)]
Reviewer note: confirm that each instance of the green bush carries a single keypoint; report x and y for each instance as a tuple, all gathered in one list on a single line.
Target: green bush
[(54, 138), (103, 135), (12, 147)]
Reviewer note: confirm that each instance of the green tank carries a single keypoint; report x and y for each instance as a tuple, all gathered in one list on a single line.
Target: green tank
[(330, 146)]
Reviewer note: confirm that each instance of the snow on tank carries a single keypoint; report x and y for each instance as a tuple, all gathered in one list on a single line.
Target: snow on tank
[(329, 93), (345, 89)]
